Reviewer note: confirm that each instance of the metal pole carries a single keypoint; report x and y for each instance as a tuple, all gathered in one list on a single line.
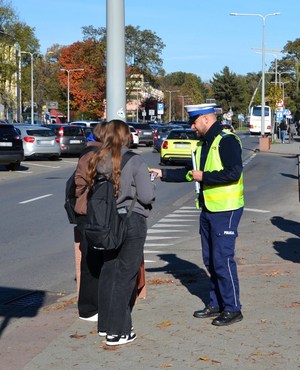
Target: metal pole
[(263, 79), (170, 102), (115, 71), (263, 17), (68, 89), (68, 98), (137, 105)]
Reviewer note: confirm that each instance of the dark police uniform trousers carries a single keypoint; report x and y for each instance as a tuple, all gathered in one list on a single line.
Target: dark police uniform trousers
[(218, 232)]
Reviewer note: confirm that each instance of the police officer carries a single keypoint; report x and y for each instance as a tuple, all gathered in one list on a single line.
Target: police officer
[(219, 172)]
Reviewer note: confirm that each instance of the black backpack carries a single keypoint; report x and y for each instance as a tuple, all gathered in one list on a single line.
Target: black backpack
[(70, 198), (105, 228)]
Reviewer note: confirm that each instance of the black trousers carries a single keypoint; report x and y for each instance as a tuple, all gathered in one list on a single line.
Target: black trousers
[(90, 267), (118, 279)]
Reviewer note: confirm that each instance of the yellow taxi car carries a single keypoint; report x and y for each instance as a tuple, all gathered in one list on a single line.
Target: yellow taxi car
[(178, 146)]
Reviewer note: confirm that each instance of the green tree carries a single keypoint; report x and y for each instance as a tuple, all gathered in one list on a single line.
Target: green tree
[(230, 91), (22, 38), (188, 89)]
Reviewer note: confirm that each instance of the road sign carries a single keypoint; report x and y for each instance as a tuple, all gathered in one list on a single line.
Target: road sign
[(160, 108)]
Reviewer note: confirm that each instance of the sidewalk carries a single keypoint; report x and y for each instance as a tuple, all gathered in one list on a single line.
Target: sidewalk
[(168, 335)]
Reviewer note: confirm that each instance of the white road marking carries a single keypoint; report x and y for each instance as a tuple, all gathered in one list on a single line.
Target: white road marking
[(172, 215), (158, 245), (162, 237), (151, 231), (187, 211), (256, 210), (153, 252), (43, 165), (34, 199), (168, 225), (170, 220)]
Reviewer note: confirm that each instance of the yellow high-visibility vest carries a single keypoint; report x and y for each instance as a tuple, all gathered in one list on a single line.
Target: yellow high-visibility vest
[(218, 198)]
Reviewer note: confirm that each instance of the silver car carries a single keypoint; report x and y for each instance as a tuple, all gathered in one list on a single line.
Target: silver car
[(38, 141)]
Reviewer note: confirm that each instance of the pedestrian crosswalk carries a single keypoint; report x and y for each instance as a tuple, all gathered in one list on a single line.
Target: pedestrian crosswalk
[(168, 230)]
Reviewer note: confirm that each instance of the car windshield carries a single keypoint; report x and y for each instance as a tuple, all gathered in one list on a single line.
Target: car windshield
[(184, 135), (38, 132), (7, 131)]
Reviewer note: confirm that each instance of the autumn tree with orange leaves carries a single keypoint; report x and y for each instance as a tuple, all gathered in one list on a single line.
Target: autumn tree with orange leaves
[(87, 87)]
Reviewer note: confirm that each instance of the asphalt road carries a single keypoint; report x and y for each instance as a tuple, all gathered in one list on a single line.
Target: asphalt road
[(37, 241)]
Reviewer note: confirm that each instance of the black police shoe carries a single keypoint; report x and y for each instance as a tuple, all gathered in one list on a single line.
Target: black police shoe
[(227, 318), (208, 311)]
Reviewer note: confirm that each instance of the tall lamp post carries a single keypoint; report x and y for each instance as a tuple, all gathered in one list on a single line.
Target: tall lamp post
[(263, 52), (182, 107), (31, 83), (170, 102), (68, 101)]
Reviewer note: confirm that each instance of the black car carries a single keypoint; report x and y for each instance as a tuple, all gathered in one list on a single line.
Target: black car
[(11, 147), (72, 138), (144, 131)]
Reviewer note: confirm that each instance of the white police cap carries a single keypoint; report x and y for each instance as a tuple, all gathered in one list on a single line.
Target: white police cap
[(199, 109)]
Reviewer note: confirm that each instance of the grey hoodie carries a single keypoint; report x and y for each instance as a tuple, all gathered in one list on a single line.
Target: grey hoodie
[(134, 179)]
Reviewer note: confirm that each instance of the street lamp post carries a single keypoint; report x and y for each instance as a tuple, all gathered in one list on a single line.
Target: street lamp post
[(263, 52), (170, 102), (68, 93), (31, 83), (182, 111)]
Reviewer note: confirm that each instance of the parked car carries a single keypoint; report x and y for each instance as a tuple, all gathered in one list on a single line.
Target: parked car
[(71, 137), (178, 146), (11, 147), (144, 131), (160, 134), (38, 141), (134, 137)]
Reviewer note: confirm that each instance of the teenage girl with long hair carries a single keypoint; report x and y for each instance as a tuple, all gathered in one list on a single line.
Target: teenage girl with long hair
[(118, 277)]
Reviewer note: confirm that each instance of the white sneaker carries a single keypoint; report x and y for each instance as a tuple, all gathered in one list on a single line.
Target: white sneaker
[(91, 318), (117, 340), (102, 333)]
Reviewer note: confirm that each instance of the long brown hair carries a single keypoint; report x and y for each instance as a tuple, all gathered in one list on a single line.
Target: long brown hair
[(115, 135)]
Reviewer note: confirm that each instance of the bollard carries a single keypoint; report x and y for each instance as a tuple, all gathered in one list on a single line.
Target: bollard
[(264, 143)]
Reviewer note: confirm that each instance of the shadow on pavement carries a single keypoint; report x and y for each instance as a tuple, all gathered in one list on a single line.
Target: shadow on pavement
[(17, 303), (290, 249), (191, 276)]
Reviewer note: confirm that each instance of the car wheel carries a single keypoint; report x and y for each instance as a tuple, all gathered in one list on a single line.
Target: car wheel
[(13, 166)]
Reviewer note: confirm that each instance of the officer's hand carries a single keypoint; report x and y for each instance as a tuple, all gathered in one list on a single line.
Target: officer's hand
[(156, 170), (197, 175)]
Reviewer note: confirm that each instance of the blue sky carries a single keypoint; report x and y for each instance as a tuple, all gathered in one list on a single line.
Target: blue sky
[(200, 36)]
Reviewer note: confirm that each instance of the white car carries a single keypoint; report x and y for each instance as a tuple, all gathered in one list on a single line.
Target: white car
[(38, 141), (134, 137)]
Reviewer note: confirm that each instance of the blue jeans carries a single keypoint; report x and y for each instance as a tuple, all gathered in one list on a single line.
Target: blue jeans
[(283, 135), (118, 279), (218, 231)]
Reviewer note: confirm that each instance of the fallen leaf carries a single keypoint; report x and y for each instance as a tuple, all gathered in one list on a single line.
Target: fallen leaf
[(159, 281), (164, 324), (93, 332), (203, 359), (77, 336), (165, 365), (295, 304)]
